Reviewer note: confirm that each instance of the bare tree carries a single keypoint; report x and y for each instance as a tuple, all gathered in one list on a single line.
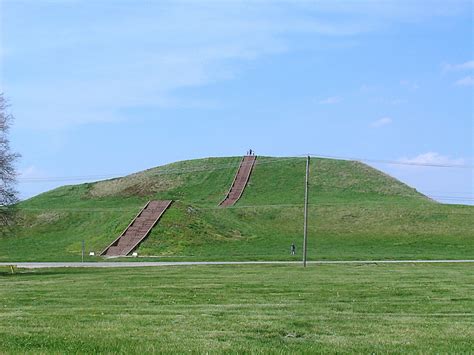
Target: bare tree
[(8, 193)]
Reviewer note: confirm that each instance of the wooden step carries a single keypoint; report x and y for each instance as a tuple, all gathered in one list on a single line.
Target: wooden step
[(138, 229), (241, 180)]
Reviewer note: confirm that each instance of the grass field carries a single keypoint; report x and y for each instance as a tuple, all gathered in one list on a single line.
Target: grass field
[(278, 309), (356, 213)]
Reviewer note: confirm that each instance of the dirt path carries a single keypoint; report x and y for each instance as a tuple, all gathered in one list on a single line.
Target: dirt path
[(44, 265)]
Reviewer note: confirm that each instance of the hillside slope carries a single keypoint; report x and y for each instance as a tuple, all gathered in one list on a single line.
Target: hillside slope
[(356, 212)]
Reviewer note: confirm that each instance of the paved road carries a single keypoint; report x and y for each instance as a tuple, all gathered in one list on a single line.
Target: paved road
[(45, 265)]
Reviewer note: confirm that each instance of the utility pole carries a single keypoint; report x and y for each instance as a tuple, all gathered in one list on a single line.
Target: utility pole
[(306, 198)]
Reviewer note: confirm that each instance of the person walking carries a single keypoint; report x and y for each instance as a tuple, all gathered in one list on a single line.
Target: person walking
[(293, 249)]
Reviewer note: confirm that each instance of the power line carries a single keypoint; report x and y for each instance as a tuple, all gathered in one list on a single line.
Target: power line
[(467, 199), (450, 192), (394, 162), (212, 167), (159, 171)]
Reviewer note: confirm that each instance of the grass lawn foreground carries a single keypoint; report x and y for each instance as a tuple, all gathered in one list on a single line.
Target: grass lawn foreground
[(326, 308)]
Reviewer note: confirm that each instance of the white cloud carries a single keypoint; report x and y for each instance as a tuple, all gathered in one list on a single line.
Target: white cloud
[(466, 66), (388, 101), (433, 158), (469, 65), (149, 56), (85, 67), (384, 121), (392, 10), (330, 100), (409, 84), (466, 81)]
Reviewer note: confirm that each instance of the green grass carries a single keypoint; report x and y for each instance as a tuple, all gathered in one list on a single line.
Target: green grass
[(356, 212), (253, 309)]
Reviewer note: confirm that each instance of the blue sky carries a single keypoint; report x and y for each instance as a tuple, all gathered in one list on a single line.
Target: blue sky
[(103, 87)]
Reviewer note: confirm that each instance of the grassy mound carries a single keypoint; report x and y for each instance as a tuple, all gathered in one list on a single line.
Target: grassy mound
[(356, 212)]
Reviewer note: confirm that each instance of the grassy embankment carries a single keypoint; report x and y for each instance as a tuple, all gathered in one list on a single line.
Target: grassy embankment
[(356, 212)]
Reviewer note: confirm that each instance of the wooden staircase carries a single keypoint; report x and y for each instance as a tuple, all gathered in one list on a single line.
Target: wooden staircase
[(240, 181), (138, 229)]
